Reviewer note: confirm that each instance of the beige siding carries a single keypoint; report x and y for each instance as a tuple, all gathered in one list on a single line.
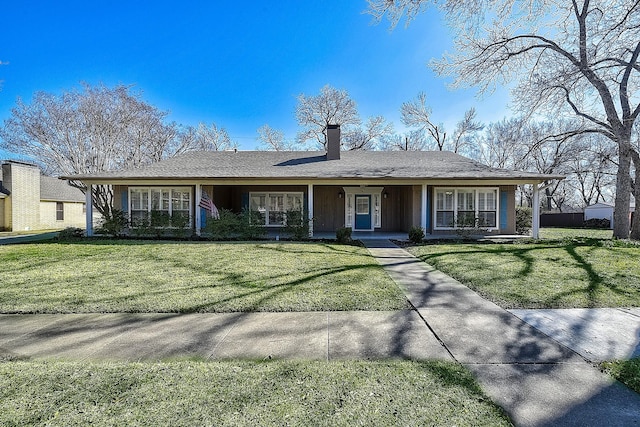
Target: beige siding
[(23, 182), (7, 214), (73, 215), (2, 214)]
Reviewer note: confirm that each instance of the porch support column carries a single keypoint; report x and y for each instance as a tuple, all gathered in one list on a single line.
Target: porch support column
[(310, 208), (423, 208), (535, 212), (197, 212), (88, 200)]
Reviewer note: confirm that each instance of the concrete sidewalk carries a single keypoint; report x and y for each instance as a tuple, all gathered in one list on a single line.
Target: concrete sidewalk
[(536, 379), (316, 335)]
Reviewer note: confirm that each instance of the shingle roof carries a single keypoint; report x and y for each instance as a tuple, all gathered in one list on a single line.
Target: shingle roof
[(58, 190), (313, 164)]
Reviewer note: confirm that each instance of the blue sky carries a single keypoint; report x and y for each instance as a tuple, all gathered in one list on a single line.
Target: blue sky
[(238, 64)]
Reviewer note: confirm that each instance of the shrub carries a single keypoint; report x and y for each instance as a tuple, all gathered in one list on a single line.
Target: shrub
[(597, 223), (251, 225), (298, 225), (416, 234), (181, 225), (160, 221), (343, 235), (523, 220), (70, 233), (114, 223), (224, 227), (141, 226)]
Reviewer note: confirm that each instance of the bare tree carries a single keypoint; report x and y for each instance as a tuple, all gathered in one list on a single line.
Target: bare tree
[(330, 107), (93, 130), (592, 171), (369, 136), (273, 139), (410, 141), (418, 114), (574, 57), (501, 144), (464, 137), (202, 138)]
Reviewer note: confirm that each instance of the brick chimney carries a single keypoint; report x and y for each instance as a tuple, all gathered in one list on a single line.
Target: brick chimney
[(333, 142)]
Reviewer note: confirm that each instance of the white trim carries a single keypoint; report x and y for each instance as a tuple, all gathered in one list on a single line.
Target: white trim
[(350, 207), (455, 190), (149, 201), (198, 213), (423, 208), (306, 181), (284, 194), (310, 207), (89, 210), (535, 213)]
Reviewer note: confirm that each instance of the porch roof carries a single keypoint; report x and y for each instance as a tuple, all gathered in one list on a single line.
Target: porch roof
[(314, 165)]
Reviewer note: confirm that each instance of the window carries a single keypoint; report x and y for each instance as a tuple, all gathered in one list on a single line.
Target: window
[(273, 207), (59, 211), (466, 207), (487, 207), (163, 202), (445, 212)]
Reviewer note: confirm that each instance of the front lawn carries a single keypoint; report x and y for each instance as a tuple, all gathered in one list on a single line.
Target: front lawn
[(565, 273), (243, 393), (625, 371), (146, 276)]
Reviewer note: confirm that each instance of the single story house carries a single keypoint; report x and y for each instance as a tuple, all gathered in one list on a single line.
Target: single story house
[(374, 191), (31, 201)]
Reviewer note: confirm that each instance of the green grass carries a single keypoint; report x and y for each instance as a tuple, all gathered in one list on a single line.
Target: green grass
[(144, 276), (626, 371), (565, 273), (573, 233), (189, 393)]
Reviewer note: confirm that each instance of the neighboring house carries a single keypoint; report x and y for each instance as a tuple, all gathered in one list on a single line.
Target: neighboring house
[(605, 211), (30, 201), (385, 191)]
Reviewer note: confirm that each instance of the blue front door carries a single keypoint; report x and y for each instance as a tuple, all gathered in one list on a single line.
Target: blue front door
[(363, 212)]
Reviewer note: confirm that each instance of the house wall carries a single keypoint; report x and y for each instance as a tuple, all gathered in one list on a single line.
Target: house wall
[(22, 206), (398, 213), (2, 214), (401, 209), (510, 196), (416, 206), (328, 208), (511, 209), (73, 215)]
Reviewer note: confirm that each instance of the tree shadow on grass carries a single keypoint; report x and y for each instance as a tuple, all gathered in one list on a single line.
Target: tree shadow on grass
[(525, 254)]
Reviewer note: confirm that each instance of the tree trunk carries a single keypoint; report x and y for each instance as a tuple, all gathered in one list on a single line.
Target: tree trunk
[(623, 195), (635, 223)]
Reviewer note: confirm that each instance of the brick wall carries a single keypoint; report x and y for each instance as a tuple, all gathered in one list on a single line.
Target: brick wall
[(73, 215), (2, 214), (23, 210)]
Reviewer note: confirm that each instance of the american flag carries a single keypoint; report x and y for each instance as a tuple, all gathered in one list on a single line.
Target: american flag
[(207, 203)]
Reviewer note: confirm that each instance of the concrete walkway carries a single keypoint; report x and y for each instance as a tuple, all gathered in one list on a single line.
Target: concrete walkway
[(537, 379)]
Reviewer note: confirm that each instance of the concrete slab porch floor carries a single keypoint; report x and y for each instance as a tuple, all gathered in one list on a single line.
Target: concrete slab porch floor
[(537, 379)]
